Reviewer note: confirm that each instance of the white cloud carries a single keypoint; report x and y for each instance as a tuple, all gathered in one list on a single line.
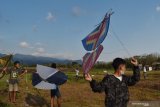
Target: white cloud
[(158, 8), (60, 55), (40, 50), (57, 55), (38, 44), (50, 16), (24, 44), (76, 11)]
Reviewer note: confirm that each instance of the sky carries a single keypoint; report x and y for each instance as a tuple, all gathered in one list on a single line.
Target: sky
[(55, 28)]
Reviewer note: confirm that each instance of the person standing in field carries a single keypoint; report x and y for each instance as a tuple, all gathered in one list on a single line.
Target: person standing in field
[(14, 73), (145, 72), (116, 85), (77, 72), (55, 92)]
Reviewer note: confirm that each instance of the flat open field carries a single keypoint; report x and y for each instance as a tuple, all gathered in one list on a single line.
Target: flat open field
[(77, 93)]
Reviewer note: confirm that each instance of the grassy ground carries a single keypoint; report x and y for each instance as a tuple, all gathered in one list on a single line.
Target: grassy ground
[(77, 93)]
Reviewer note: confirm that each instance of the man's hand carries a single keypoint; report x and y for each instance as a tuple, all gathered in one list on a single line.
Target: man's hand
[(134, 61), (25, 71), (88, 77)]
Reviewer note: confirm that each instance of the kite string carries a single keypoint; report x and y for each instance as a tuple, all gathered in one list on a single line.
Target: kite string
[(119, 40), (112, 52), (26, 74)]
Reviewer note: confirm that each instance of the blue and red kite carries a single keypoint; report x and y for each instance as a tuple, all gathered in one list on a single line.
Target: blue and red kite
[(93, 43), (97, 36), (90, 59)]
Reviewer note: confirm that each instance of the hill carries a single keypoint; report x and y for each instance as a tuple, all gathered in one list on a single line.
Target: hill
[(32, 60)]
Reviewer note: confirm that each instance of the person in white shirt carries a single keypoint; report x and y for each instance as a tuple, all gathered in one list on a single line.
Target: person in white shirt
[(145, 72), (77, 72)]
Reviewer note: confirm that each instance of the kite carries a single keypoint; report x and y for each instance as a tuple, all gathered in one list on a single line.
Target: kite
[(48, 78), (39, 83), (97, 36), (4, 61), (93, 43), (90, 59)]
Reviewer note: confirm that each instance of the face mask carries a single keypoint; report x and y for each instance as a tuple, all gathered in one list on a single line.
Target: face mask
[(122, 72)]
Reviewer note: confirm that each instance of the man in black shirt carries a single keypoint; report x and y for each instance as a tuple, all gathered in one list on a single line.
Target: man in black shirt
[(116, 85)]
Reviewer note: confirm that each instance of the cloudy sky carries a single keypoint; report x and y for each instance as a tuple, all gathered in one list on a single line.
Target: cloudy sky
[(55, 28)]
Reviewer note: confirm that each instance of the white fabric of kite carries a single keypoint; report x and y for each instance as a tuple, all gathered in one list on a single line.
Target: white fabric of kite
[(45, 72)]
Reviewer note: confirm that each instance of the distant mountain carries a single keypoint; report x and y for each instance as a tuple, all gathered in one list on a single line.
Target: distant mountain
[(32, 60)]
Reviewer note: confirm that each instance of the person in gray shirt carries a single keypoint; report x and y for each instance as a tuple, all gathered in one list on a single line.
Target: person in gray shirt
[(14, 73)]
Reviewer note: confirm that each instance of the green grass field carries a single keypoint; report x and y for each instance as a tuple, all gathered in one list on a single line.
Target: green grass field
[(77, 93)]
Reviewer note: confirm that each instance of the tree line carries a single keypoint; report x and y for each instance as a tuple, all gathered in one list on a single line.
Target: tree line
[(144, 60)]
